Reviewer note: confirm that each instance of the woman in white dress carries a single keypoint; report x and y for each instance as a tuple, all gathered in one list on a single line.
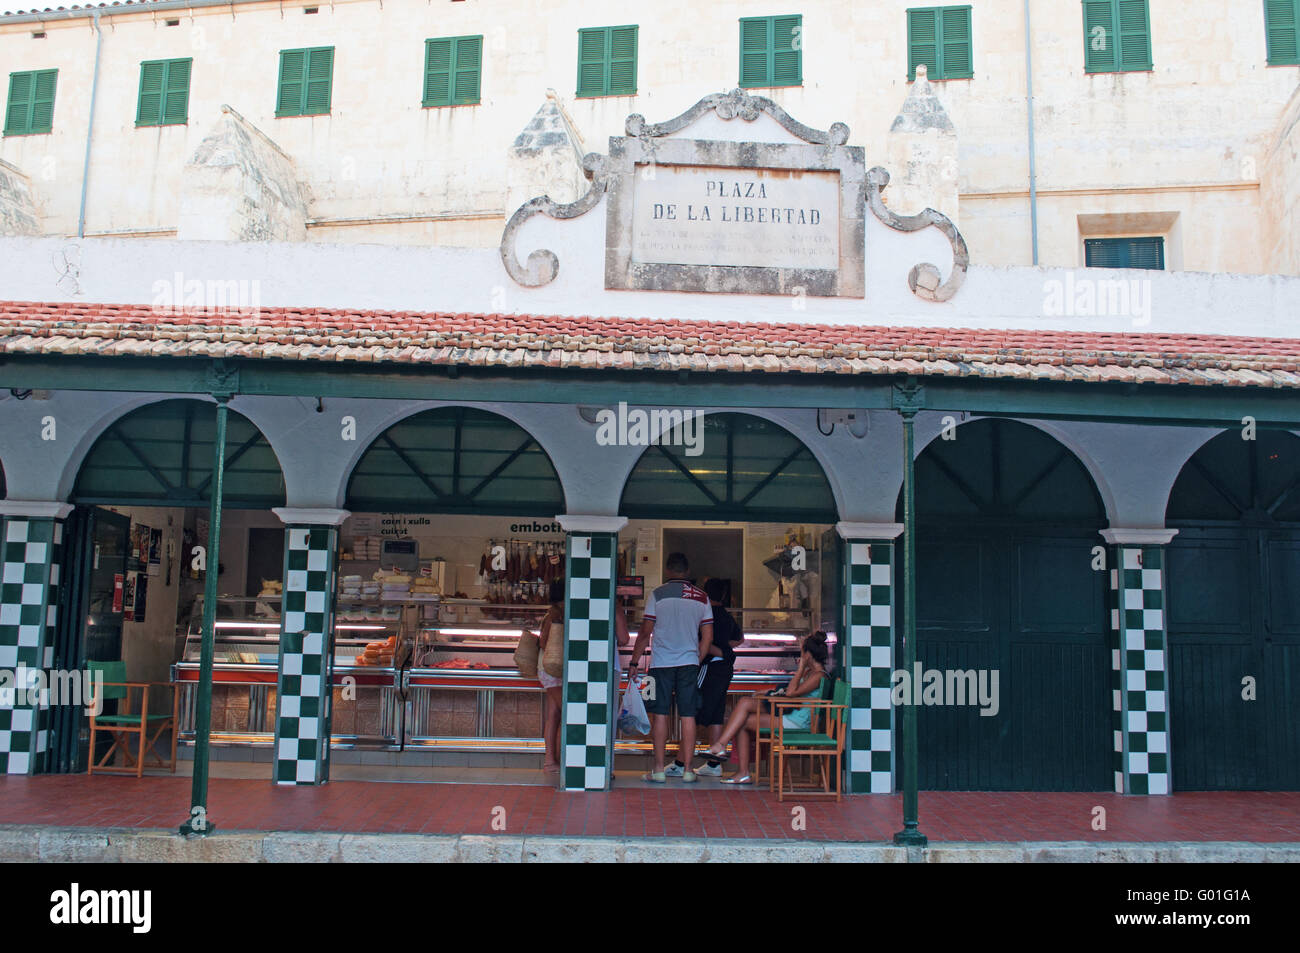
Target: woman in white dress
[(552, 627)]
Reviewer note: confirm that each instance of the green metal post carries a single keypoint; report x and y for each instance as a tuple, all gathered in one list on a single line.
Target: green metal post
[(910, 835), (199, 822)]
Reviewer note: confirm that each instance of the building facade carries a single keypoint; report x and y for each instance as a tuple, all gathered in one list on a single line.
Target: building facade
[(1184, 131), (423, 314)]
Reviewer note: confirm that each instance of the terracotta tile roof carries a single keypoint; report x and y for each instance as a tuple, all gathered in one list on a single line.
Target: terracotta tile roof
[(87, 7), (529, 341)]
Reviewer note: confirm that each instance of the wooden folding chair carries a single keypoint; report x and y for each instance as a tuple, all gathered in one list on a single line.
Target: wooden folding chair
[(827, 745), (121, 726)]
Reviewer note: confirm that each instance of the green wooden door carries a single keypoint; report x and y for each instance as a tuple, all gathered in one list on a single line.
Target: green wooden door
[(1008, 522), (88, 627), (1234, 616)]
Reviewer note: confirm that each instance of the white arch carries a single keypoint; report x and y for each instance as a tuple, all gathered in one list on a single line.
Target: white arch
[(780, 417), (134, 402), (381, 423), (1208, 435), (1062, 435)]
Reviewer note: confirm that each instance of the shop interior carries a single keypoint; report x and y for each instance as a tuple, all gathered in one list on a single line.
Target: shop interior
[(418, 599), (430, 604)]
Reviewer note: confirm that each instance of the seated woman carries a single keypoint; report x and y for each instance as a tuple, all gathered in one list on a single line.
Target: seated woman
[(748, 717)]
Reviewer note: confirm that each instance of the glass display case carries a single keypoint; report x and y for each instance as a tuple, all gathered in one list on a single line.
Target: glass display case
[(443, 675), (245, 659)]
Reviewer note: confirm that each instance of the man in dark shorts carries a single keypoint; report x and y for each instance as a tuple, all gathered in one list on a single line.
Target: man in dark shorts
[(678, 615), (715, 674)]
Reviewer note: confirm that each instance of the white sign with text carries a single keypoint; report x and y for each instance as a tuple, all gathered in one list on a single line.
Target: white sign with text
[(766, 218)]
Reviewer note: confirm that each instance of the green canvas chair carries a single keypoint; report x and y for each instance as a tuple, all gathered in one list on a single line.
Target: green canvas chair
[(121, 726), (826, 745)]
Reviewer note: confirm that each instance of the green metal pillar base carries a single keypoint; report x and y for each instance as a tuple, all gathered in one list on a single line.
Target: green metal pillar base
[(911, 837)]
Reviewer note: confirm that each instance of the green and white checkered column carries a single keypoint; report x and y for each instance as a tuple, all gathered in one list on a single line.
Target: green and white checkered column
[(869, 653), (304, 688), (29, 580), (590, 694), (1139, 660)]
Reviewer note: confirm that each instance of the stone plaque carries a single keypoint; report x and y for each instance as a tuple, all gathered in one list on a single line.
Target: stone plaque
[(735, 217), (715, 215)]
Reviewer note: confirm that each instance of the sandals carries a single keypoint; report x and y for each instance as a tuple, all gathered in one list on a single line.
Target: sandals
[(738, 779)]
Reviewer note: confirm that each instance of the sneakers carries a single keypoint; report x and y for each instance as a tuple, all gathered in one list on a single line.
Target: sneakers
[(710, 770), (674, 770), (689, 777)]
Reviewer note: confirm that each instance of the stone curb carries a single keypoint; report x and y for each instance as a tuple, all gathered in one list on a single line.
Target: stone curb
[(126, 845)]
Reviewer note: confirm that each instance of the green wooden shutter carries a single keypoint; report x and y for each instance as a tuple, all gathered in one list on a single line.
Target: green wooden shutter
[(293, 65), (149, 107), (176, 96), (607, 61), (754, 48), (320, 73), (955, 52), (1134, 35), (164, 93), (437, 72), (43, 102), (1282, 29), (468, 68), (923, 42), (591, 62), (30, 106), (1100, 37), (1146, 252), (19, 106), (1116, 35), (1103, 253), (622, 60), (787, 51)]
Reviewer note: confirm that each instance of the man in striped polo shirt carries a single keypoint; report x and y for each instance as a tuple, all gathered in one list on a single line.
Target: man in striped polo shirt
[(679, 616)]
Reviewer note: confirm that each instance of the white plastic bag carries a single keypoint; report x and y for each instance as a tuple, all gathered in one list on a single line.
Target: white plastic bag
[(632, 718)]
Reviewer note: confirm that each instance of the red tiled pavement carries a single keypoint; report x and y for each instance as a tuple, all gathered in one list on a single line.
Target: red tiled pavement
[(82, 801)]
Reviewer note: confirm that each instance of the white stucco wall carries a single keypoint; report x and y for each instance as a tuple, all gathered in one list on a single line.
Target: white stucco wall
[(376, 277), (1187, 136), (1280, 191)]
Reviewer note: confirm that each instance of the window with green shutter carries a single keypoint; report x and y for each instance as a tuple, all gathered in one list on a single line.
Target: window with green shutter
[(1116, 36), (607, 61), (164, 93), (1146, 253), (452, 68), (940, 37), (771, 51), (30, 106), (1282, 27), (305, 80)]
